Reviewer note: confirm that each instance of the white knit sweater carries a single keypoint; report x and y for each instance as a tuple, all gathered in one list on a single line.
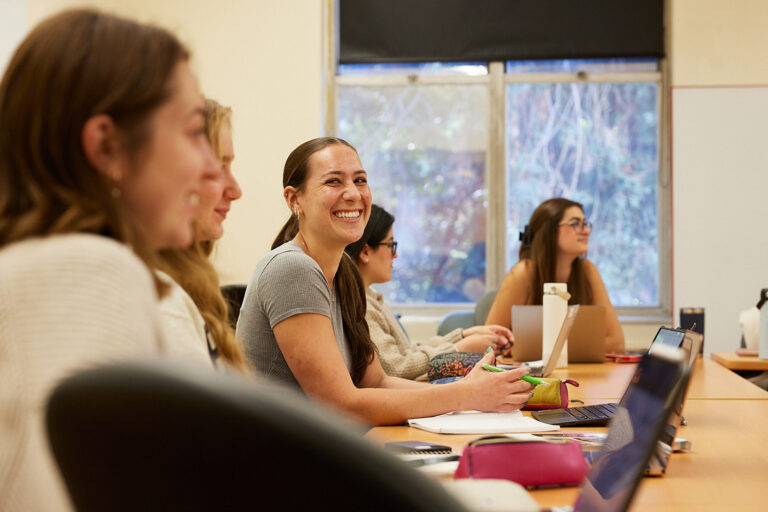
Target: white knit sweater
[(183, 325), (67, 302), (399, 357)]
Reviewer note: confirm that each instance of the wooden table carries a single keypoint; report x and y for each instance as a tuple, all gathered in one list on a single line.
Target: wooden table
[(608, 381), (733, 361), (727, 425)]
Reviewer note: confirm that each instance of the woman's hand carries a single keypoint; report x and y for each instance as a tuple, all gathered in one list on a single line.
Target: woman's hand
[(480, 337), (497, 391)]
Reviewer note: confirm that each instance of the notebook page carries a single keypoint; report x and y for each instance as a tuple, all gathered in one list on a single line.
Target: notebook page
[(474, 422)]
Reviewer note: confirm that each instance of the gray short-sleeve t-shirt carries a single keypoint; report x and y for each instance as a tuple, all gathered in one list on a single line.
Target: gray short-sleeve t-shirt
[(285, 283)]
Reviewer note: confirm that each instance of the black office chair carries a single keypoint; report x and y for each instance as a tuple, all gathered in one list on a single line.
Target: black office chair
[(161, 436), (234, 295)]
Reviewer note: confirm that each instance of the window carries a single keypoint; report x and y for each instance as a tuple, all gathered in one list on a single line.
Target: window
[(424, 146), (461, 154), (595, 142)]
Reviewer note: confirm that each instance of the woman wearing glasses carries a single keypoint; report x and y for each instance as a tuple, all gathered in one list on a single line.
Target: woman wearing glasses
[(374, 254), (552, 250), (303, 317)]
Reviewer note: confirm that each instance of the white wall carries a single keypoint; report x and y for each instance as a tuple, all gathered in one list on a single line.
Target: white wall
[(718, 51), (263, 58), (13, 26)]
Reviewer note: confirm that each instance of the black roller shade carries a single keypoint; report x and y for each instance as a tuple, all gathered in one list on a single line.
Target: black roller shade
[(386, 31)]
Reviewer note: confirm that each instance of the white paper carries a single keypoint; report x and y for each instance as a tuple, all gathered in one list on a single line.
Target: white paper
[(474, 422)]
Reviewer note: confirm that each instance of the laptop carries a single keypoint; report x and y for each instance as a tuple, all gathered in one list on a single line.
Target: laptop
[(539, 368), (586, 341), (689, 343), (634, 431)]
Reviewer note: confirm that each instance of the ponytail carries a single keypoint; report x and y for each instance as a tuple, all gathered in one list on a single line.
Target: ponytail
[(288, 233), (351, 291)]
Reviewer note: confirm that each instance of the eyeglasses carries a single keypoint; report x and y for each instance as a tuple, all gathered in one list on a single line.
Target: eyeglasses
[(579, 226), (392, 246)]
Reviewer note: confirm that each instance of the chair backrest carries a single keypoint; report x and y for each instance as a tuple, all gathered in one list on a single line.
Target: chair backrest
[(166, 436), (483, 306), (234, 294), (455, 319)]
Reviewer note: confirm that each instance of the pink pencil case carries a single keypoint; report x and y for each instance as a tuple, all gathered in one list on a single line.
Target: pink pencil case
[(528, 463)]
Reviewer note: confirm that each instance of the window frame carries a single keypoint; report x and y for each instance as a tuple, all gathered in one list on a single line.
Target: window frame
[(496, 173)]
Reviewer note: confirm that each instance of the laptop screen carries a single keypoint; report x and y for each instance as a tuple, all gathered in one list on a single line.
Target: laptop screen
[(633, 432), (690, 343)]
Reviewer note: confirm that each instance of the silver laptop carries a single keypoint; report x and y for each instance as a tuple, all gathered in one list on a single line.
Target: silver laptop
[(539, 368), (586, 341)]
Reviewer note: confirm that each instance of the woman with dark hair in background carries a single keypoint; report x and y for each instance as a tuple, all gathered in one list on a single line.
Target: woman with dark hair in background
[(374, 254), (303, 317), (553, 249), (194, 311), (101, 162)]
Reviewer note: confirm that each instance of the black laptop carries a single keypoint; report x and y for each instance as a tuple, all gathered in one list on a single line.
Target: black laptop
[(601, 414), (634, 432)]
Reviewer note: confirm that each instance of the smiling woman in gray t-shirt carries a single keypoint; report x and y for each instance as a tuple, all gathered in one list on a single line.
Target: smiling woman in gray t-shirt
[(286, 282), (303, 317)]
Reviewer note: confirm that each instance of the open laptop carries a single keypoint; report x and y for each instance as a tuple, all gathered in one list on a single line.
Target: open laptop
[(545, 369), (634, 432), (586, 341), (601, 414), (689, 344)]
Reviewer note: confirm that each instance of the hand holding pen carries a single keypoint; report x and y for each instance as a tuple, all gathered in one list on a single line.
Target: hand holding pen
[(527, 378), (497, 391)]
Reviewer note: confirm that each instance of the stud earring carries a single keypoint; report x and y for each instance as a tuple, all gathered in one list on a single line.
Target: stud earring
[(115, 190)]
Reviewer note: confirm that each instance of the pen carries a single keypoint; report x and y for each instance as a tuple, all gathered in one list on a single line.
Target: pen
[(526, 378), (534, 380)]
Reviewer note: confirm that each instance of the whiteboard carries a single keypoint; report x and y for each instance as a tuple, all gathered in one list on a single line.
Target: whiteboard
[(719, 214)]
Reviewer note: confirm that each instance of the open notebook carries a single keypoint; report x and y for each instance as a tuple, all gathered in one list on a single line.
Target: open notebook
[(475, 422)]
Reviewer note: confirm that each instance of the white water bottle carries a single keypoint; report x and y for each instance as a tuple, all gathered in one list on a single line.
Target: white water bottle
[(555, 307), (763, 350)]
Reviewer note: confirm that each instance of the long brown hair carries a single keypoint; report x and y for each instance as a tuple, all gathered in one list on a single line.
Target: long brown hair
[(64, 73), (191, 268), (348, 283), (539, 247)]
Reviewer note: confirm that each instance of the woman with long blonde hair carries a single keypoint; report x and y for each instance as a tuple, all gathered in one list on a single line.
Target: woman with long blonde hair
[(195, 311)]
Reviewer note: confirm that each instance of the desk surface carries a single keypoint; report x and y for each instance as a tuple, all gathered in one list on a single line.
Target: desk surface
[(727, 422), (733, 361), (608, 381)]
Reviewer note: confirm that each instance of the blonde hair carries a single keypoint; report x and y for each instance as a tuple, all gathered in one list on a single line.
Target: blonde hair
[(216, 116), (192, 269)]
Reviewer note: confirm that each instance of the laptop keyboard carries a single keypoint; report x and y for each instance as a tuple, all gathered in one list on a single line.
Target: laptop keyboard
[(594, 412), (599, 414)]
